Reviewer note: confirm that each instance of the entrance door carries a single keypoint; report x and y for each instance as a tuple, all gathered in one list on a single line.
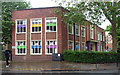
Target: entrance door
[(91, 47)]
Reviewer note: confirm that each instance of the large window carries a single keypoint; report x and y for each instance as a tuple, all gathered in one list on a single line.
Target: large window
[(77, 46), (51, 47), (98, 48), (36, 25), (21, 47), (91, 31), (36, 47), (21, 26), (98, 37), (83, 46), (101, 37), (70, 29), (51, 24), (70, 44), (83, 31), (76, 29)]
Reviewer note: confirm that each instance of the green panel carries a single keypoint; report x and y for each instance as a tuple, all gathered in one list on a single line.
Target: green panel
[(51, 24), (21, 47)]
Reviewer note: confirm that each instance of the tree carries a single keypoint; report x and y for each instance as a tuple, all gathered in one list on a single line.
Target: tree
[(7, 23), (94, 12)]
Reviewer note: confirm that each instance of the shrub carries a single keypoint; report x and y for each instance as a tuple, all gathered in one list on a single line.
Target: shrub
[(91, 57)]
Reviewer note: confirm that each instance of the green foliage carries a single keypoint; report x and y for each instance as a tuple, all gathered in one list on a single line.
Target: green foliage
[(7, 23), (90, 56)]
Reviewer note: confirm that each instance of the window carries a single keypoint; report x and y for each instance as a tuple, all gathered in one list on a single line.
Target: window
[(51, 47), (103, 38), (51, 24), (98, 37), (83, 31), (36, 47), (76, 29), (70, 29), (101, 47), (77, 46), (98, 48), (36, 25), (91, 31), (21, 26), (70, 44), (21, 47), (83, 46)]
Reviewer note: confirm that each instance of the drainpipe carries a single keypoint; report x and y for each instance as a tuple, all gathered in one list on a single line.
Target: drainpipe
[(74, 36)]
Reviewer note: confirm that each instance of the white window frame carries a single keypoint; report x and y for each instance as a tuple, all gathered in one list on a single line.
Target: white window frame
[(16, 26), (16, 51), (31, 48), (91, 28), (84, 31), (84, 46), (78, 45), (77, 26), (72, 28), (31, 25), (46, 24), (98, 36), (46, 47), (72, 44)]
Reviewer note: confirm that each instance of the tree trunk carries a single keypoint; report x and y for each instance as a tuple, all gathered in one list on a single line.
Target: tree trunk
[(114, 37)]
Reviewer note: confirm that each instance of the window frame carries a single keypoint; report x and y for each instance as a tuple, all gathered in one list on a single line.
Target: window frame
[(46, 24), (84, 31), (84, 46), (31, 48), (77, 26), (56, 51), (78, 45), (16, 26), (31, 25), (16, 51), (91, 28), (72, 44), (72, 28)]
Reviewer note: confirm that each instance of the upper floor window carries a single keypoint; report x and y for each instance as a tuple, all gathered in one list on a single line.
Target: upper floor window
[(76, 29), (21, 26), (91, 31), (21, 47), (51, 24), (36, 25), (103, 38), (98, 37), (70, 28), (36, 47), (83, 31)]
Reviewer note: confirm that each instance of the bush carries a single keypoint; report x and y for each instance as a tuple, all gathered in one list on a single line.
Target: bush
[(90, 56)]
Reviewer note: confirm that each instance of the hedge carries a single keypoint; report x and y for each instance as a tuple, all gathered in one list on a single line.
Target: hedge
[(90, 56)]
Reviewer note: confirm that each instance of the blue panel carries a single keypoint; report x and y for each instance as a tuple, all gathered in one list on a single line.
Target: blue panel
[(36, 46), (77, 47)]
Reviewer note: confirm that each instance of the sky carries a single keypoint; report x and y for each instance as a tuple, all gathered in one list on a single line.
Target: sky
[(50, 3)]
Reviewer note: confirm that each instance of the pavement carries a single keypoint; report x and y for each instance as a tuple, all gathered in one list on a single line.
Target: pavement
[(59, 66)]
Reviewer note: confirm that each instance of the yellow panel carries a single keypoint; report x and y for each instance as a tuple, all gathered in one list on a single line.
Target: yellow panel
[(36, 25)]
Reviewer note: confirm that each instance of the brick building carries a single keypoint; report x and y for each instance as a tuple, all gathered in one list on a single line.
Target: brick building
[(108, 42), (38, 33)]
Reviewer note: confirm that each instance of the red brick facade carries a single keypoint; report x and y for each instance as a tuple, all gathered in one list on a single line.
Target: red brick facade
[(61, 35)]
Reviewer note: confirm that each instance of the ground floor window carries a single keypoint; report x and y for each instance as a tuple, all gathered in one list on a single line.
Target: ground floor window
[(70, 44), (21, 47), (51, 46), (36, 47), (83, 46), (77, 46), (98, 48)]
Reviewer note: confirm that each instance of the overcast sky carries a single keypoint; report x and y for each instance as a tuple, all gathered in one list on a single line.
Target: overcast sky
[(50, 3)]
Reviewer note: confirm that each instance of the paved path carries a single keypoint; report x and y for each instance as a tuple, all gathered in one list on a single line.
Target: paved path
[(58, 66)]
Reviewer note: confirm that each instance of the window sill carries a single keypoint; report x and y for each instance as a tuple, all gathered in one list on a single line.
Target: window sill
[(36, 54), (52, 31), (20, 54), (48, 54), (35, 32), (21, 33)]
